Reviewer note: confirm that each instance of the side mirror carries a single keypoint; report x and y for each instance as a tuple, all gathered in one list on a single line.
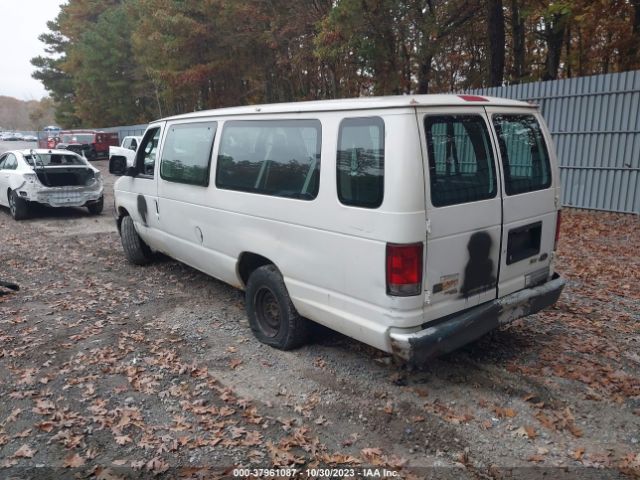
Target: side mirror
[(118, 166)]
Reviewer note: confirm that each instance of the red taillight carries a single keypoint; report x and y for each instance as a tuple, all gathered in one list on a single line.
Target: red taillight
[(404, 269), (473, 98), (558, 223)]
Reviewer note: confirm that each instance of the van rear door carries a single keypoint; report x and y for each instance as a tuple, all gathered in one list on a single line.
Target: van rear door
[(464, 210), (530, 197)]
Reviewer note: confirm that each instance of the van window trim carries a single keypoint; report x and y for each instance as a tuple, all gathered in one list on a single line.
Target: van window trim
[(213, 142), (503, 157), (493, 152), (139, 160), (317, 161), (384, 157)]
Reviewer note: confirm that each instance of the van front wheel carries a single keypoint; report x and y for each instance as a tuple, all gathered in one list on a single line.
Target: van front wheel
[(136, 251), (272, 316)]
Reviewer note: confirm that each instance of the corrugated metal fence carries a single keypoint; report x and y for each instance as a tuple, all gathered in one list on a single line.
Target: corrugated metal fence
[(595, 123)]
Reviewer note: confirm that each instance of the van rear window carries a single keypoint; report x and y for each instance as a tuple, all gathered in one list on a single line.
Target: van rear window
[(525, 158), (270, 157), (461, 163)]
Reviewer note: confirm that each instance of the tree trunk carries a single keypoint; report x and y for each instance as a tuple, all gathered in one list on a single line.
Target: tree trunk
[(568, 52), (518, 47), (424, 74), (554, 36), (631, 58), (495, 37)]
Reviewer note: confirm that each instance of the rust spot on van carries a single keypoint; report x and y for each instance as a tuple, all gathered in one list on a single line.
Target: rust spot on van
[(478, 273), (142, 209)]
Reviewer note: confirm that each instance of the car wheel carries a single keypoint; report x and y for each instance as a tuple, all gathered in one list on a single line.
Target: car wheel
[(18, 207), (272, 316), (96, 207), (136, 251)]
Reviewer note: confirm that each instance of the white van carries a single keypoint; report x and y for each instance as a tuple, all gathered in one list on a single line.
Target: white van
[(414, 224)]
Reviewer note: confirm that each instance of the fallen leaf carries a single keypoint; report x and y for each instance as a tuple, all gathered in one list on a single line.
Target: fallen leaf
[(157, 466), (73, 461), (45, 426), (123, 439), (371, 453), (578, 453), (505, 412), (13, 415), (24, 452)]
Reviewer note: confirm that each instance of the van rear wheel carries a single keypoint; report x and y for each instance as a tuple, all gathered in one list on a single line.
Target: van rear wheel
[(272, 316), (136, 251)]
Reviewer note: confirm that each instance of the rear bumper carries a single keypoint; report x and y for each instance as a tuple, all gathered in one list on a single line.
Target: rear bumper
[(460, 329), (72, 196)]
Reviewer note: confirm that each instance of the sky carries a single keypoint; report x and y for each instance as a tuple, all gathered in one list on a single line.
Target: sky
[(21, 22)]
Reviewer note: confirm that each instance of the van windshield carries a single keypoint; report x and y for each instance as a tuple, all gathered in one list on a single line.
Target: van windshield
[(525, 158)]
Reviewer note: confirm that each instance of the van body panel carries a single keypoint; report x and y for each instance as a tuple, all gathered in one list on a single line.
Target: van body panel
[(463, 245), (443, 188), (528, 216), (139, 196)]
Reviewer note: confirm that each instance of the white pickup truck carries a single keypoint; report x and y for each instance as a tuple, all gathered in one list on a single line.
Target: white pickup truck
[(127, 149)]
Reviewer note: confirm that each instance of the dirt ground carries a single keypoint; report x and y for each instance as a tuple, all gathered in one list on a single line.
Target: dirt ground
[(112, 371)]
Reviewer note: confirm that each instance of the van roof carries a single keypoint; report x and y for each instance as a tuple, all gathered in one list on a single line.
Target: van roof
[(362, 103)]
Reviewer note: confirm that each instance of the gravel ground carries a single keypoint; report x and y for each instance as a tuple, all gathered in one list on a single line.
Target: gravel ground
[(113, 371)]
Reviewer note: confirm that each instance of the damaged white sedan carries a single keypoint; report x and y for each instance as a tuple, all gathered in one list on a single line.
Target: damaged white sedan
[(57, 178)]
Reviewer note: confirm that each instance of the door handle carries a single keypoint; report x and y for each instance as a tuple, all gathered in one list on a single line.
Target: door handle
[(157, 208)]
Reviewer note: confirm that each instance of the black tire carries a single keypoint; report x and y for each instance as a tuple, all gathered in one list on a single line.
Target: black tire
[(136, 251), (96, 207), (18, 207), (272, 317)]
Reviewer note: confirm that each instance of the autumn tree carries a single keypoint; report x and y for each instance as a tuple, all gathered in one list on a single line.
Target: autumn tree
[(128, 61)]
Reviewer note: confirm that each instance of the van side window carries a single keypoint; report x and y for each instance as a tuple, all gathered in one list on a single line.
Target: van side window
[(525, 158), (360, 163), (271, 157), (186, 154), (461, 164), (146, 155)]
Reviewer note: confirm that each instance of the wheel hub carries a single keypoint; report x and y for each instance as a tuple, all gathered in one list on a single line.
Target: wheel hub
[(268, 312)]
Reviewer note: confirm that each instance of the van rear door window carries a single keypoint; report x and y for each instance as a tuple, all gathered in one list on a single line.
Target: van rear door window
[(186, 155), (525, 158), (270, 157), (461, 163), (360, 162)]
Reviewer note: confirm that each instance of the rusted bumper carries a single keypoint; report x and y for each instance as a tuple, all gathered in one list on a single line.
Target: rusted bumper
[(459, 329)]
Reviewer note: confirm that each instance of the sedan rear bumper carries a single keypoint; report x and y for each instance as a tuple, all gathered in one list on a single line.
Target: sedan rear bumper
[(71, 196), (459, 329)]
